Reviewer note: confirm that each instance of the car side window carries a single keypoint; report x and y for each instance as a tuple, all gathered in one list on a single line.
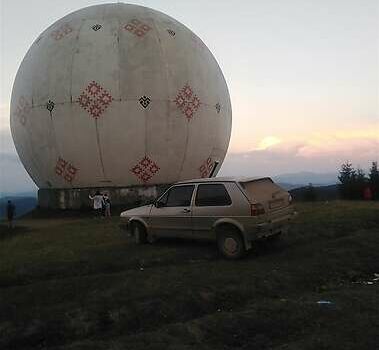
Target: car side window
[(178, 196), (212, 195)]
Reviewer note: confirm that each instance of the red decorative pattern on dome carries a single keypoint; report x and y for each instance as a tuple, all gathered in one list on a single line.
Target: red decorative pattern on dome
[(206, 168), (95, 99), (23, 109), (65, 169), (145, 169), (187, 102), (137, 27), (61, 32)]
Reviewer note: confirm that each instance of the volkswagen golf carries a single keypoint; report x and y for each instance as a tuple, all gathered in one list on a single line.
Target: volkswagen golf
[(234, 212)]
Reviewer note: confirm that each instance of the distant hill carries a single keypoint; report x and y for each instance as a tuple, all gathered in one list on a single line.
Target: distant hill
[(30, 193), (23, 204), (289, 186), (322, 193), (305, 177)]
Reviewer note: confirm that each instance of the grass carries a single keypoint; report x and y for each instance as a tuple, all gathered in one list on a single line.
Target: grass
[(80, 283)]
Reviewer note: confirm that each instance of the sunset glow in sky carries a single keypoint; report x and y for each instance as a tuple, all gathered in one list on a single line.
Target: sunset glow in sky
[(303, 77)]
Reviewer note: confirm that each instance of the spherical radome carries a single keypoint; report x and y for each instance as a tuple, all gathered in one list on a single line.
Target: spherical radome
[(119, 95)]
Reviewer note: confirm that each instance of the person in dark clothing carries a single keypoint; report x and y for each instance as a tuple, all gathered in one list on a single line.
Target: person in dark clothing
[(107, 206), (11, 209)]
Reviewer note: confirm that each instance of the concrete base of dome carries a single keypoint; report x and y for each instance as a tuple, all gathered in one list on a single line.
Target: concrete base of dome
[(77, 198)]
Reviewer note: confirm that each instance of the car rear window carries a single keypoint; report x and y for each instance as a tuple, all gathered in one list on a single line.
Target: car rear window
[(212, 195), (262, 190)]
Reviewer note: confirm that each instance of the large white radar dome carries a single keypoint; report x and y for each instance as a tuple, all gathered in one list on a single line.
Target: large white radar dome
[(119, 95)]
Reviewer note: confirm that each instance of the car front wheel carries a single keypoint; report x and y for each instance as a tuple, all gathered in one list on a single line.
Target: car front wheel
[(139, 233), (230, 243)]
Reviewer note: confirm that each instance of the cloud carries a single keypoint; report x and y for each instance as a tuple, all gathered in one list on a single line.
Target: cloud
[(319, 152), (268, 142), (360, 142), (13, 176), (4, 116), (6, 141), (8, 157)]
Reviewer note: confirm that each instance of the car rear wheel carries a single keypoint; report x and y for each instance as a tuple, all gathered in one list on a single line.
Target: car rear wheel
[(139, 233), (230, 243)]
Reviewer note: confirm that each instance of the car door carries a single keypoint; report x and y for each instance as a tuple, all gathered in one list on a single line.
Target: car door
[(171, 214), (212, 201)]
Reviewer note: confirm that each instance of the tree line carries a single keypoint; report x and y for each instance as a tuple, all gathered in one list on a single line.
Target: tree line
[(355, 184)]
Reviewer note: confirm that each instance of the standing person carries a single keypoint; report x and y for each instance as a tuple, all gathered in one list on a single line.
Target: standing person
[(103, 206), (107, 203), (11, 209), (97, 203)]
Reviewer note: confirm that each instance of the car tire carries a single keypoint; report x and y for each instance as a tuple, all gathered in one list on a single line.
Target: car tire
[(274, 238), (139, 233), (230, 243), (151, 239)]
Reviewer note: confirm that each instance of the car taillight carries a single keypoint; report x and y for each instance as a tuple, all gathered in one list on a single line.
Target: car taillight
[(257, 209)]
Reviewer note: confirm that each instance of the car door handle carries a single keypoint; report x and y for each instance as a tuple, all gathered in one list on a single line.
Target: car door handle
[(186, 211)]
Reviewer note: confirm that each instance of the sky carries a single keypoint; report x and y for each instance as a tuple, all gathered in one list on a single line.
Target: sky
[(303, 76)]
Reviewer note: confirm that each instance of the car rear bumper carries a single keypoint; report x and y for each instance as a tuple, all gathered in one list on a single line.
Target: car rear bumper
[(273, 229), (270, 228)]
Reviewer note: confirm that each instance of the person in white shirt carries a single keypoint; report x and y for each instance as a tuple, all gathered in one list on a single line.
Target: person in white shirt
[(97, 203)]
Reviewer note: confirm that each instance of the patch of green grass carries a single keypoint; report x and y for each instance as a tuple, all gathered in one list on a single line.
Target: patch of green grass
[(80, 283)]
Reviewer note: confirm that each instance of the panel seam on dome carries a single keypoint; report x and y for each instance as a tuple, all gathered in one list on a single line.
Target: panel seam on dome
[(166, 68), (99, 150), (73, 58)]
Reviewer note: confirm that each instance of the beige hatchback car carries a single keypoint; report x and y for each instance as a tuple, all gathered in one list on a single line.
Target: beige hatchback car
[(233, 211)]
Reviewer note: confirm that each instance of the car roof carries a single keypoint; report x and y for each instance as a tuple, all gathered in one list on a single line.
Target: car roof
[(223, 179)]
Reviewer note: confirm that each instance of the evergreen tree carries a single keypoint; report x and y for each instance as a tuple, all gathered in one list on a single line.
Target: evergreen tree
[(347, 178), (374, 180), (310, 193), (359, 184)]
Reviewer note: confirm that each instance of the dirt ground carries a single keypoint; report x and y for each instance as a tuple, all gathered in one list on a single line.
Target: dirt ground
[(80, 283)]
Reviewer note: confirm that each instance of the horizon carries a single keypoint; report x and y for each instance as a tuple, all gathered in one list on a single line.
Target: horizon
[(289, 180), (303, 80)]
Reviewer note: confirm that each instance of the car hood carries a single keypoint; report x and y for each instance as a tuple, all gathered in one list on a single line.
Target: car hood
[(140, 211)]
